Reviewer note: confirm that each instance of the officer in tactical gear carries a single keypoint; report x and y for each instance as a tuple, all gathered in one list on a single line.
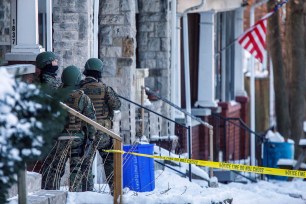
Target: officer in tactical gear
[(75, 139), (105, 101), (47, 66)]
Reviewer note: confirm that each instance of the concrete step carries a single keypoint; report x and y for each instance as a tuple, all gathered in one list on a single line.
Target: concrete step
[(33, 184), (44, 197)]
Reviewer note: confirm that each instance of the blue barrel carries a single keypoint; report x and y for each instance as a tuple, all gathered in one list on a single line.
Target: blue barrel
[(273, 151), (138, 172)]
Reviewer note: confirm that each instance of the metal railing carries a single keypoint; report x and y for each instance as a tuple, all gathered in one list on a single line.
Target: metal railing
[(187, 114), (156, 128), (232, 141)]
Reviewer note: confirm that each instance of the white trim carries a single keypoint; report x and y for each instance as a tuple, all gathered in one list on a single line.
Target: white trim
[(216, 5)]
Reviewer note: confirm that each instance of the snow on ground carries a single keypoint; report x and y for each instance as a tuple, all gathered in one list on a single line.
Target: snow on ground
[(172, 188)]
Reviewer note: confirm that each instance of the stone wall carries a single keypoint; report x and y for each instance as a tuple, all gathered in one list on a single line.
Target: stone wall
[(5, 17), (72, 31), (153, 48), (153, 43), (117, 41)]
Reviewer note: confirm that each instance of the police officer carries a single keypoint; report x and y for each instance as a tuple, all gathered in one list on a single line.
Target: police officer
[(73, 141), (105, 101), (47, 66)]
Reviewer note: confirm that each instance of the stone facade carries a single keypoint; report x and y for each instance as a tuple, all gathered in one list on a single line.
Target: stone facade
[(153, 43), (5, 17), (117, 44), (72, 25), (153, 46)]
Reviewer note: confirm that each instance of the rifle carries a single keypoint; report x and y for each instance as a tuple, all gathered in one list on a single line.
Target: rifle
[(87, 144)]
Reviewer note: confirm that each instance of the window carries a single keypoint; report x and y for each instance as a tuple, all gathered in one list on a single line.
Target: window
[(45, 24)]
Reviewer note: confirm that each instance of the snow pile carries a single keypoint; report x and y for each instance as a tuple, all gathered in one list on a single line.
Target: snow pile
[(274, 136), (171, 188), (302, 142)]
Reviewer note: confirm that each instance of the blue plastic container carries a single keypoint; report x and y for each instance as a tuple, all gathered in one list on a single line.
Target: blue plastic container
[(138, 172), (273, 151)]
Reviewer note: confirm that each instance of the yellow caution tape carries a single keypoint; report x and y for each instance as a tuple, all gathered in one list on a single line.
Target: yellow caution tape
[(224, 165)]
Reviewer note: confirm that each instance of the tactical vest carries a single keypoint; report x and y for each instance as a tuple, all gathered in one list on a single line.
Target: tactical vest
[(74, 124), (96, 92)]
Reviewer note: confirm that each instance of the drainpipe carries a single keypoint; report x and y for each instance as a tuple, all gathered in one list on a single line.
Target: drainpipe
[(252, 87), (95, 28), (95, 54), (187, 76), (173, 55)]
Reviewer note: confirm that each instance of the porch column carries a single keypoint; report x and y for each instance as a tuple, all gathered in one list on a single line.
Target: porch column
[(206, 81), (239, 76), (26, 31)]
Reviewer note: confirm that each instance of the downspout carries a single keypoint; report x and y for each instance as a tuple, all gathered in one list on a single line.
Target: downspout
[(95, 27), (173, 55), (252, 87), (95, 54), (187, 77)]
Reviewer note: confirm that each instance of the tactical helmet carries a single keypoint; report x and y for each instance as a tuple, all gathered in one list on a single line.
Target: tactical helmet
[(94, 64), (71, 76), (44, 58)]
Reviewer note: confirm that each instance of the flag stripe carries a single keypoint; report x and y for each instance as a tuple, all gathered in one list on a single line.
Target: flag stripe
[(254, 39)]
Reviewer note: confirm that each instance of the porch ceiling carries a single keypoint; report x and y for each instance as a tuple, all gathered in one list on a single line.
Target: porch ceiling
[(216, 5)]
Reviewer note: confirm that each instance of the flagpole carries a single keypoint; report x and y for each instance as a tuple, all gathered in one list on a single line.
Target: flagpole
[(252, 94), (252, 88)]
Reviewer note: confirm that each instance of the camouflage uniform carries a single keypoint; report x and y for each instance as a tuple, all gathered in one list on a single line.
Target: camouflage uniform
[(50, 81), (44, 62), (73, 143), (105, 101)]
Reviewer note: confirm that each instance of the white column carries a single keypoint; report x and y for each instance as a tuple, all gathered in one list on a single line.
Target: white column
[(206, 81), (239, 76), (27, 27), (49, 24)]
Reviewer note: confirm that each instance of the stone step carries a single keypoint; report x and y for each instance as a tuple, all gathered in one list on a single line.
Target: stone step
[(44, 197), (33, 184)]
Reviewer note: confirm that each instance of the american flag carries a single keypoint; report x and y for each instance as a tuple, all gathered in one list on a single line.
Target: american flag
[(254, 39)]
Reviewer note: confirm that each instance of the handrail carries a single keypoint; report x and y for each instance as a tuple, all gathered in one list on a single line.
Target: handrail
[(151, 110), (241, 121), (210, 127), (91, 122), (166, 118), (178, 108)]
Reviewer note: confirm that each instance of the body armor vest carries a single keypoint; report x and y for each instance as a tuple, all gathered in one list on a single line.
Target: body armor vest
[(73, 102), (96, 92)]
